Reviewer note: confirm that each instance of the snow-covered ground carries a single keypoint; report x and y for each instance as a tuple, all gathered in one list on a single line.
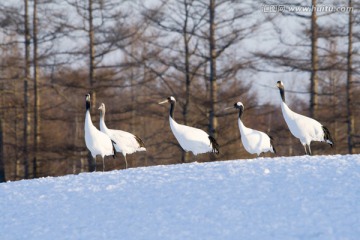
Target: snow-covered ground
[(267, 198)]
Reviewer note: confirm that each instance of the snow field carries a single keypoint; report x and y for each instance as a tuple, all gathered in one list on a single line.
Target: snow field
[(266, 198)]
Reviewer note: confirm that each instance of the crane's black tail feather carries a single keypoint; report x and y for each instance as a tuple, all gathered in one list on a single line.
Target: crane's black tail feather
[(327, 136), (113, 145), (215, 145), (140, 142), (272, 143)]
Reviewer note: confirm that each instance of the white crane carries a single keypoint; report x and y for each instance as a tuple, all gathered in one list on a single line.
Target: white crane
[(190, 139), (125, 142), (304, 128), (254, 141), (97, 142)]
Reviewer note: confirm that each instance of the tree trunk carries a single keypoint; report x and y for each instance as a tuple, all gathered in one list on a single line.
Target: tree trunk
[(77, 135), (185, 155), (350, 115), (2, 160), (26, 79), (91, 47), (3, 116), (18, 162), (36, 94), (91, 160), (314, 64), (213, 83)]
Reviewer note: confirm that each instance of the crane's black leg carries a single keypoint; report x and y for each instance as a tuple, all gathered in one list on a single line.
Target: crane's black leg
[(95, 162), (126, 164), (309, 149), (306, 152)]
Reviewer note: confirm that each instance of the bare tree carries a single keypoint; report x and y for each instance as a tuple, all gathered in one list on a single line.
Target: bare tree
[(98, 19), (213, 123), (36, 110), (11, 91), (2, 163), (195, 25), (314, 63), (320, 35), (186, 25), (349, 88), (27, 78), (226, 31), (91, 161)]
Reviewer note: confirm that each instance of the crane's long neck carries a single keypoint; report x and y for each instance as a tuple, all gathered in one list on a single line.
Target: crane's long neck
[(241, 111), (172, 107), (240, 123), (88, 121), (87, 105), (282, 94), (287, 112), (242, 127), (102, 120)]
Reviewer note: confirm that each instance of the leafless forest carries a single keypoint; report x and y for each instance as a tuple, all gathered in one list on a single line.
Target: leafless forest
[(207, 53)]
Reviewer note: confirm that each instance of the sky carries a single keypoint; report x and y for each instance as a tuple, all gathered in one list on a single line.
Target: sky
[(266, 39)]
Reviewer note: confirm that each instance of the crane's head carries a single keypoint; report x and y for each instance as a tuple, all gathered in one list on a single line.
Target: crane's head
[(280, 84), (102, 107), (239, 105), (170, 99), (87, 101), (87, 97)]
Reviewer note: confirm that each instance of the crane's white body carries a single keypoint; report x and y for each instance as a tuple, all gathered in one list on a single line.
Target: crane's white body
[(125, 142), (97, 142), (304, 128), (254, 141), (191, 139)]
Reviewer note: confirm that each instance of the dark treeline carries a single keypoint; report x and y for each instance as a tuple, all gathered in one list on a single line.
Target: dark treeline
[(130, 55)]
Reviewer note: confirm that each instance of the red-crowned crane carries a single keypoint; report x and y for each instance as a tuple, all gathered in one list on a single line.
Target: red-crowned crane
[(304, 128), (254, 141), (97, 142), (190, 139), (125, 142)]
